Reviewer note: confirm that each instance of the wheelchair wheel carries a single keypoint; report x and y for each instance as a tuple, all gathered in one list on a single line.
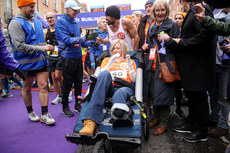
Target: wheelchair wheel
[(146, 124), (101, 146)]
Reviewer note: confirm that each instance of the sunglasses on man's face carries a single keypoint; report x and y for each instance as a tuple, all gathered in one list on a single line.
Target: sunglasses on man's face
[(49, 18)]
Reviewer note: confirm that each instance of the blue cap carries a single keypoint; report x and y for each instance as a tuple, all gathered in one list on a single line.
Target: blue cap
[(71, 4), (149, 2)]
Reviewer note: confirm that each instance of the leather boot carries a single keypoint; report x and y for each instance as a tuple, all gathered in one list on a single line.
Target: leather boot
[(218, 132), (160, 130), (88, 129), (153, 123)]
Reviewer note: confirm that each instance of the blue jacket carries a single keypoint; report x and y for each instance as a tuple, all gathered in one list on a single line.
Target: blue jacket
[(94, 50), (5, 57), (31, 61), (69, 37)]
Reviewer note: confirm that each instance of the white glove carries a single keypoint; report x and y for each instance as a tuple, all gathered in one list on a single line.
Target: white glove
[(110, 62), (132, 73)]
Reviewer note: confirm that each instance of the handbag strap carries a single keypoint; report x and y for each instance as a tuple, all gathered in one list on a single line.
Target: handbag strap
[(170, 67)]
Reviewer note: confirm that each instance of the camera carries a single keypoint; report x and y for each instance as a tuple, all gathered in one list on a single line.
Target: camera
[(223, 42)]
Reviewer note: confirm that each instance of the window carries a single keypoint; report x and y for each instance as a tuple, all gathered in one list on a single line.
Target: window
[(45, 2), (56, 5)]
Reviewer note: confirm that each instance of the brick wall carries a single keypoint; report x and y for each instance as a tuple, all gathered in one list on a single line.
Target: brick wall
[(175, 7)]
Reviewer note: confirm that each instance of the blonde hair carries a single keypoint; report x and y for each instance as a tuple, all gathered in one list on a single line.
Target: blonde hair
[(123, 46), (99, 20), (138, 13), (158, 3)]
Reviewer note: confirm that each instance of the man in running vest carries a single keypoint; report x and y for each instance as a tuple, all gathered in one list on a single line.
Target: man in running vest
[(27, 41), (120, 29)]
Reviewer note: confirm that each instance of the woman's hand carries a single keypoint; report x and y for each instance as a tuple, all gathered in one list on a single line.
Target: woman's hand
[(166, 37), (145, 46)]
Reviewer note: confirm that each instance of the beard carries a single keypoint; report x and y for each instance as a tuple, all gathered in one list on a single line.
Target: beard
[(111, 22), (29, 15)]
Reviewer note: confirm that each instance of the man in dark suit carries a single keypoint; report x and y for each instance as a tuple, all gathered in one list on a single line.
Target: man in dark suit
[(196, 62)]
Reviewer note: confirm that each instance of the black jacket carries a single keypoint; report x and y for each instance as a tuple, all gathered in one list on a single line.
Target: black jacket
[(196, 53)]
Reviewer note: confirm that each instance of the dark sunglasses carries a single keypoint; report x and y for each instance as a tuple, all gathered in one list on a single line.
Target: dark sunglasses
[(49, 18)]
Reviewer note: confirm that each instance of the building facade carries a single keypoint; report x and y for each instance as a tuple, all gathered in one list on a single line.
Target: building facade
[(175, 7), (9, 8)]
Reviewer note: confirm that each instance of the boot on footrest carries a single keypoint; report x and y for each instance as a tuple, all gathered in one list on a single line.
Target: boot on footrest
[(121, 118), (88, 129)]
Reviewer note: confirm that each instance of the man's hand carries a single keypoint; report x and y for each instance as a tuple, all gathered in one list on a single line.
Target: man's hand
[(49, 48), (99, 40), (177, 40), (199, 12), (145, 46)]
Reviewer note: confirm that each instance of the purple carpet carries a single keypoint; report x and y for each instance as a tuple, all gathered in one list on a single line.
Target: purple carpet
[(19, 135)]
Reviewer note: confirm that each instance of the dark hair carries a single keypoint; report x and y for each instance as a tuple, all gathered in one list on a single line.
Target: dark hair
[(113, 11)]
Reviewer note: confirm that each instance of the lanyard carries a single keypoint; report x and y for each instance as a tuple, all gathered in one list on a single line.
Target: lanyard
[(162, 50)]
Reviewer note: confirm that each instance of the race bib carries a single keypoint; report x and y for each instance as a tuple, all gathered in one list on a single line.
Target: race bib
[(152, 54), (55, 52), (104, 47), (119, 74)]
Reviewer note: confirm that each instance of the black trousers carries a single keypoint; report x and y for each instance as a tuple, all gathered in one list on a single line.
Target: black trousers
[(198, 109), (72, 74)]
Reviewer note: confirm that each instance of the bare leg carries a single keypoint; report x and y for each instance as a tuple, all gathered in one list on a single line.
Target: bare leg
[(84, 72), (42, 79), (57, 81), (26, 91), (1, 87)]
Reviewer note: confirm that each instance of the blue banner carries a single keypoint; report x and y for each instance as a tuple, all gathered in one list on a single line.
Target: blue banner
[(90, 19)]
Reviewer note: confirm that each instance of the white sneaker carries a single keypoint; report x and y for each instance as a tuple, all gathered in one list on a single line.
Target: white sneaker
[(56, 100), (70, 98), (6, 95), (33, 117), (47, 119)]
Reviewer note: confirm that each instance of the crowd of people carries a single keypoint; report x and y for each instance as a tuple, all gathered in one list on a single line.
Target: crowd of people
[(195, 39)]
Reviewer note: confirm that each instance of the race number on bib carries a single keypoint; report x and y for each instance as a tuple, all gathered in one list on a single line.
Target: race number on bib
[(55, 52), (119, 74)]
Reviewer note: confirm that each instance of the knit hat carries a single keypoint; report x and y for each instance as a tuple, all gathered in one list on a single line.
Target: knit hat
[(128, 17), (149, 2), (25, 2), (113, 11), (181, 13)]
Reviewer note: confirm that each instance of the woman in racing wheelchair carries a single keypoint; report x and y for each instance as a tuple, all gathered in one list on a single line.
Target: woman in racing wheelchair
[(118, 65)]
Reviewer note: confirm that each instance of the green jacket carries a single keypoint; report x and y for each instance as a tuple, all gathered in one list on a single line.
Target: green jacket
[(220, 28)]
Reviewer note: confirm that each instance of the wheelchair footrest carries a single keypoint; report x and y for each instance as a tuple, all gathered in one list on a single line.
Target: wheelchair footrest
[(121, 118)]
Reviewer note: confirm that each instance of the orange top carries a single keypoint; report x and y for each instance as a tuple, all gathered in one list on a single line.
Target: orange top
[(120, 69), (147, 28)]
